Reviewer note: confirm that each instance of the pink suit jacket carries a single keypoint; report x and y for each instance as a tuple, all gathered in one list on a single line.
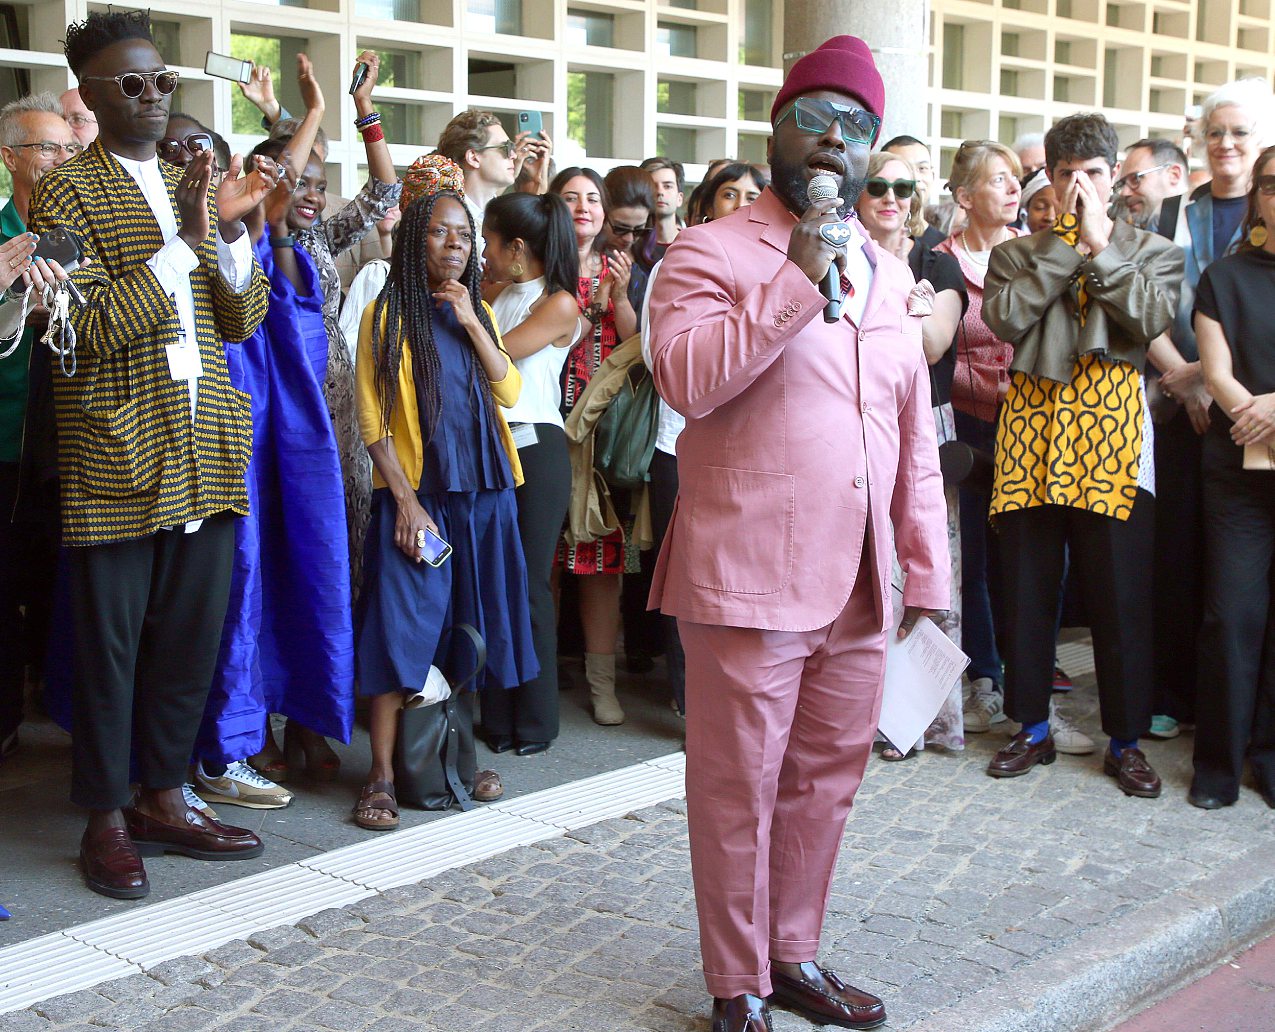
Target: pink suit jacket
[(801, 436)]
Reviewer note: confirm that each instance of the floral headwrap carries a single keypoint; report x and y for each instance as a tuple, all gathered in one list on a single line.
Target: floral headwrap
[(431, 174)]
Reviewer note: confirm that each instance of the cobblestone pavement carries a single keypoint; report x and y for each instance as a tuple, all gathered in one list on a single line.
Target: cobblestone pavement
[(949, 882)]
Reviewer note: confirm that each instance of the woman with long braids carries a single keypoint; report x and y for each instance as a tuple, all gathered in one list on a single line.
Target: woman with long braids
[(430, 374)]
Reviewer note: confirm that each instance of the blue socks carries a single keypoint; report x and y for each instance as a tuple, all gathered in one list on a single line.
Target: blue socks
[(1119, 745), (1037, 733)]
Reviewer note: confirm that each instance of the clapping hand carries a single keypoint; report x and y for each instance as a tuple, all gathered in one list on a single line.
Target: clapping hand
[(237, 195)]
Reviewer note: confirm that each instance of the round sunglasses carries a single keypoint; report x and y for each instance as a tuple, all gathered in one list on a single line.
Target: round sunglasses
[(133, 84), (903, 188), (195, 144)]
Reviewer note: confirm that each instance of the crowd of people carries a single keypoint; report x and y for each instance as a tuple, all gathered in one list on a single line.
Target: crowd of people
[(281, 401)]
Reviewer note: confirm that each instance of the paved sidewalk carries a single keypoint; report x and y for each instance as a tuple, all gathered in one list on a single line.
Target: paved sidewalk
[(1050, 902)]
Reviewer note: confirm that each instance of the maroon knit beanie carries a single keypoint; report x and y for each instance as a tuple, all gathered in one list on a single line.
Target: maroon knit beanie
[(843, 63)]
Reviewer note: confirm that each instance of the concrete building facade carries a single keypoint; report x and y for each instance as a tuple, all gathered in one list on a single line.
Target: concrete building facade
[(617, 80)]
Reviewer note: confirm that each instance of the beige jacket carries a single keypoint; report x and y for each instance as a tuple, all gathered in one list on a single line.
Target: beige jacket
[(591, 514)]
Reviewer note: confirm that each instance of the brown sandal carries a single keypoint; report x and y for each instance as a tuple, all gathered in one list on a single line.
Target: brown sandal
[(487, 787), (376, 795)]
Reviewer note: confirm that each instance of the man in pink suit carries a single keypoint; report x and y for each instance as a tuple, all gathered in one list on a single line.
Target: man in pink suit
[(807, 445)]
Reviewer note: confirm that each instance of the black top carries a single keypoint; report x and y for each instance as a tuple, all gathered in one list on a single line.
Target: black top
[(944, 273), (1236, 291)]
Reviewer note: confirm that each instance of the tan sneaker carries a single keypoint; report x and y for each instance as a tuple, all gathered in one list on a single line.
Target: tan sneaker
[(240, 785)]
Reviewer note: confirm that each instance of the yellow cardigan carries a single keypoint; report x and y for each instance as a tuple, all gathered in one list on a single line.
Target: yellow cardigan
[(405, 420)]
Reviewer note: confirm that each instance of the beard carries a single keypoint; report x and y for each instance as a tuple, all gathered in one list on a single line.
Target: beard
[(788, 180)]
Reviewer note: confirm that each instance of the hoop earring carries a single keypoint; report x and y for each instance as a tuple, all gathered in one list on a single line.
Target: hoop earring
[(516, 269), (1257, 235)]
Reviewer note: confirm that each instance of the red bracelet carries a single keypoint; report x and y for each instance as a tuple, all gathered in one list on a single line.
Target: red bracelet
[(373, 133)]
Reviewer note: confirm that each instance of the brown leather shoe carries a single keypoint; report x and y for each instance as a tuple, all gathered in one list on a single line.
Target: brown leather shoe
[(747, 1013), (112, 865), (487, 786), (198, 836), (819, 995), (1020, 756), (1132, 772)]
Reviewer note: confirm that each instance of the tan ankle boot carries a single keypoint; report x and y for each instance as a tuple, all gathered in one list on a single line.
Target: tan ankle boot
[(599, 671)]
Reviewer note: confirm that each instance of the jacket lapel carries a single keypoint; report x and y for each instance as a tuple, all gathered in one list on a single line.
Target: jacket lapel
[(1199, 217), (776, 220)]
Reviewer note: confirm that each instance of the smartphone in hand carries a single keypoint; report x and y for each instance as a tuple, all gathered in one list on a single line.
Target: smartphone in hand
[(531, 122), (435, 551), (224, 67)]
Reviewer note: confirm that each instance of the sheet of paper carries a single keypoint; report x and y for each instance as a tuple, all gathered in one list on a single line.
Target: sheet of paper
[(920, 671)]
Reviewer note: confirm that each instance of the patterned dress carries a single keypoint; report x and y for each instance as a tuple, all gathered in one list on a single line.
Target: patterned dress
[(323, 242), (614, 553)]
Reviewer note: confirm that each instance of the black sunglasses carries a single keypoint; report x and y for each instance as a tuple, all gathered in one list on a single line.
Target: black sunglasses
[(903, 188), (1266, 185), (195, 144), (621, 231), (133, 84)]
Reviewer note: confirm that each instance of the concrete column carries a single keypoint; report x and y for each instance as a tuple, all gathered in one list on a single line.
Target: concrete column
[(898, 31)]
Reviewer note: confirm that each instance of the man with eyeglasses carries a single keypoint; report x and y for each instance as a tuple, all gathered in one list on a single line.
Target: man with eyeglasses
[(489, 159), (809, 445), (34, 138), (153, 444), (79, 117), (1154, 173)]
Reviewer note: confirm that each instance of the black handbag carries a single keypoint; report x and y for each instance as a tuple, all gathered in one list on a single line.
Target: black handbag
[(434, 757)]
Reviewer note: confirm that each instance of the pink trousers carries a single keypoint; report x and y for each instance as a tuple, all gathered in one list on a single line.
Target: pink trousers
[(779, 727)]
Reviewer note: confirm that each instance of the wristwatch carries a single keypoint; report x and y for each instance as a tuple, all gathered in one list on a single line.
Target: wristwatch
[(283, 241)]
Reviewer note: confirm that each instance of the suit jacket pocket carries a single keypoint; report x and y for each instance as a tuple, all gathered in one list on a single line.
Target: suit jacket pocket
[(120, 459), (739, 535)]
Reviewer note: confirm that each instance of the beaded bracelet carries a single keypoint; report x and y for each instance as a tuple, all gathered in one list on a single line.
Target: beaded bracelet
[(369, 119), (372, 133)]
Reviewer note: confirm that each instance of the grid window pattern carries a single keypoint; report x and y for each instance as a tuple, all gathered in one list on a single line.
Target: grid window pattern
[(619, 80)]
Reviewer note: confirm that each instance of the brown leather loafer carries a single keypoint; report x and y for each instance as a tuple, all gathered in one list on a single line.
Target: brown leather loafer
[(820, 996), (1132, 772), (1020, 756), (197, 836), (112, 865), (745, 1013)]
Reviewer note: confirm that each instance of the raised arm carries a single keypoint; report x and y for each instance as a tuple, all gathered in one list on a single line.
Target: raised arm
[(379, 164)]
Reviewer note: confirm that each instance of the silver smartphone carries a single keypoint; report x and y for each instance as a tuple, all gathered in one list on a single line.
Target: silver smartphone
[(435, 550), (231, 68)]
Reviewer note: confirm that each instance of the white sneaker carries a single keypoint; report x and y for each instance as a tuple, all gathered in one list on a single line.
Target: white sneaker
[(241, 786), (1068, 738), (984, 707), (195, 803)]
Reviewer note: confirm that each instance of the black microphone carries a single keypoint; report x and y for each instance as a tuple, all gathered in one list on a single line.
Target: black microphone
[(824, 188)]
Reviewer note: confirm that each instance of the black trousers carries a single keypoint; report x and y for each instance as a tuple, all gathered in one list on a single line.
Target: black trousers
[(148, 615), (529, 713), (664, 484), (1178, 566), (1235, 708), (28, 558), (1112, 561)]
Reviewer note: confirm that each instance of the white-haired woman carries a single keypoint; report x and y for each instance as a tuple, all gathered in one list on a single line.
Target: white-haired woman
[(1236, 121)]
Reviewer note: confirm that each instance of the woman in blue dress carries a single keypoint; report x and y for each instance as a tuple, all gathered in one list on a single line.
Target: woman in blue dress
[(431, 373)]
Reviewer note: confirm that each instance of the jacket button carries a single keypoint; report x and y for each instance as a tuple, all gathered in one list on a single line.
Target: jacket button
[(796, 306), (779, 323), (858, 481)]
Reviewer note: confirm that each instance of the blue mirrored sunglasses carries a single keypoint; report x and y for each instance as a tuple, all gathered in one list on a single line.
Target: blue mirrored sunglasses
[(815, 116)]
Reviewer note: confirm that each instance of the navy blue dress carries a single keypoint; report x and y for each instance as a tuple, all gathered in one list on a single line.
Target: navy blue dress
[(467, 487)]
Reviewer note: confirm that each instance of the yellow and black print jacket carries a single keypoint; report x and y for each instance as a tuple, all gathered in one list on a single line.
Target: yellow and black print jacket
[(127, 457)]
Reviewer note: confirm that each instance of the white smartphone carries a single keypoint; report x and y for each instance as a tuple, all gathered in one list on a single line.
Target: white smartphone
[(435, 550), (231, 68)]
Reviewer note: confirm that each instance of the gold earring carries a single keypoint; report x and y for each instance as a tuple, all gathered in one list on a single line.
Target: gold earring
[(1257, 235), (516, 269)]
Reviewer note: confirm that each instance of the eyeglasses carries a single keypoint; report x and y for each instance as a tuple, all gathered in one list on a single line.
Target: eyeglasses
[(903, 188), (195, 144), (133, 84), (1133, 180), (817, 116), (1266, 186), (1236, 133), (78, 121), (625, 231), (507, 148), (51, 150)]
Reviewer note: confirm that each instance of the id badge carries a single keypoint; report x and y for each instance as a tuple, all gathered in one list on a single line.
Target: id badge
[(184, 362), (524, 435)]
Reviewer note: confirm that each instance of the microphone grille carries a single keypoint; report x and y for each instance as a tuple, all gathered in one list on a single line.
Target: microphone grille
[(822, 188)]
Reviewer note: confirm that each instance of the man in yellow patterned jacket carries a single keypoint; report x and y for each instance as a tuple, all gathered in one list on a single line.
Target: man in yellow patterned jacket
[(1075, 473), (153, 443)]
